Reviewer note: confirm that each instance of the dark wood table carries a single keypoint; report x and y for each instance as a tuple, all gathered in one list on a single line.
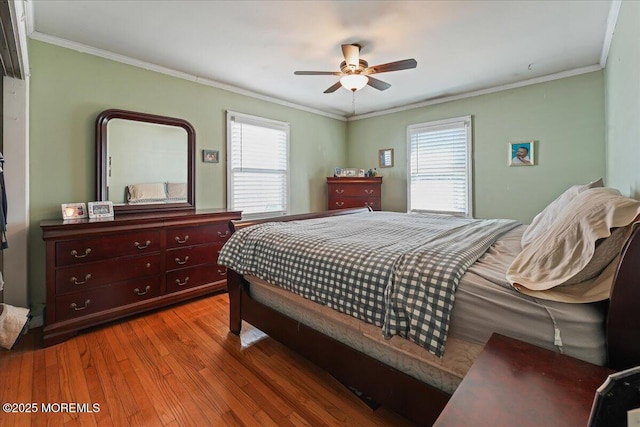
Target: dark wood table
[(513, 383)]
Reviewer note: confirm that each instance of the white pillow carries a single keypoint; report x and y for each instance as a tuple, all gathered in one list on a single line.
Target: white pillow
[(549, 264), (154, 191), (544, 219)]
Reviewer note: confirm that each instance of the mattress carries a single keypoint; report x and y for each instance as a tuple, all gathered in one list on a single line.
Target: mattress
[(484, 303)]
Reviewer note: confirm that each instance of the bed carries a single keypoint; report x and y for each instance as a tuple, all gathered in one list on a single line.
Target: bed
[(410, 377)]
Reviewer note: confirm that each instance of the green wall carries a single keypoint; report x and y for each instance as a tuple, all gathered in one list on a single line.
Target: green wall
[(69, 89), (622, 102), (565, 117)]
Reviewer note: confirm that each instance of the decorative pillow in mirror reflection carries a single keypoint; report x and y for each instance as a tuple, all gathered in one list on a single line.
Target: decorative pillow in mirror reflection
[(154, 191), (177, 191)]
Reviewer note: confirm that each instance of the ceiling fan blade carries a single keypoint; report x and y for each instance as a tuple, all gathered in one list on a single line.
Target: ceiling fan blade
[(317, 73), (378, 84), (334, 88), (351, 54), (392, 66)]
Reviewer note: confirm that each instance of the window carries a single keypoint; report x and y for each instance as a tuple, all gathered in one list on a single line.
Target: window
[(439, 170), (258, 165)]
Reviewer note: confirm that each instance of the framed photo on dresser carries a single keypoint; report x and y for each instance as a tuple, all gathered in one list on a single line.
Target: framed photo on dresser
[(101, 209), (74, 211)]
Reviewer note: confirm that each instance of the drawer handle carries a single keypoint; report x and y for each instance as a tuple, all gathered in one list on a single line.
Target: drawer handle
[(222, 272), (182, 262), (368, 191), (182, 283), (146, 290), (225, 234), (75, 281), (339, 190), (74, 253), (182, 241), (339, 203), (76, 308), (139, 246)]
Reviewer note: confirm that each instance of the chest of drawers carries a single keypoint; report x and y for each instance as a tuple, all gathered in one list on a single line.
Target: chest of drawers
[(98, 271), (354, 193)]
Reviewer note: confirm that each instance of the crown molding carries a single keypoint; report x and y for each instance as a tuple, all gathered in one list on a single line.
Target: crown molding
[(207, 82), (529, 82), (173, 73)]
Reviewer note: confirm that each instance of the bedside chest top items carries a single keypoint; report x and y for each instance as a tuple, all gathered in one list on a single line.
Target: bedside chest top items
[(347, 192)]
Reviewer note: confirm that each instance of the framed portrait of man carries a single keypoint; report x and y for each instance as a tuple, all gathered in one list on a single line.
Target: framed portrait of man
[(521, 153)]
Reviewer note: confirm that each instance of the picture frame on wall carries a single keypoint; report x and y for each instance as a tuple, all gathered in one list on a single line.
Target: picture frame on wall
[(385, 158), (521, 153), (74, 211), (210, 156)]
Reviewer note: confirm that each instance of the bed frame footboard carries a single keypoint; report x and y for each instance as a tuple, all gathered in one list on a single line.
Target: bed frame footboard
[(413, 399)]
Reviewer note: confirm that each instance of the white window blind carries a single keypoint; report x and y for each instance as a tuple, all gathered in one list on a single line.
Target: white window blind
[(440, 166), (257, 166)]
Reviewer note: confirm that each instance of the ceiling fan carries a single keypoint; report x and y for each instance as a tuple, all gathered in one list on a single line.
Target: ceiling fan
[(355, 72)]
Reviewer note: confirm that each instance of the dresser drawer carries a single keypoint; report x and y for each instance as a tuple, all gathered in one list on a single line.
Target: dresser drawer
[(178, 280), (86, 250), (118, 294), (78, 277), (354, 202), (354, 190), (197, 235), (192, 256)]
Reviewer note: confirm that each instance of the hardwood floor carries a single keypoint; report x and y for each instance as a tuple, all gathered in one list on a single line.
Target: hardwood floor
[(176, 367)]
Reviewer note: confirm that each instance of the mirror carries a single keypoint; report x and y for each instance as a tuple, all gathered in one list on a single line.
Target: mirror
[(145, 162)]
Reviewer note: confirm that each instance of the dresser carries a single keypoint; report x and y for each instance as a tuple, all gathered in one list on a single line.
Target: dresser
[(355, 192), (101, 270)]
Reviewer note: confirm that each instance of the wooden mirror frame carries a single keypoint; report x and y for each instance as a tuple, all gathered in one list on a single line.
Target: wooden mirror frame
[(101, 159)]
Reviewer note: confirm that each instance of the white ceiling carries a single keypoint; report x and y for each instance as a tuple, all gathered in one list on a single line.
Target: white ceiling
[(255, 46)]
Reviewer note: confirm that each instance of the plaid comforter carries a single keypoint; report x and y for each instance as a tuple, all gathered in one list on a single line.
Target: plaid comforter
[(397, 271)]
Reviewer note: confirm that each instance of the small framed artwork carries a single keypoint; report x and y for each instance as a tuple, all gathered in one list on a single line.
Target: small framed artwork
[(338, 172), (361, 172), (385, 158), (521, 153), (210, 156), (74, 211), (100, 209)]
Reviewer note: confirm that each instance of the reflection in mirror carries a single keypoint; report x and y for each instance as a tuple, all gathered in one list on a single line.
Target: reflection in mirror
[(141, 153), (145, 162)]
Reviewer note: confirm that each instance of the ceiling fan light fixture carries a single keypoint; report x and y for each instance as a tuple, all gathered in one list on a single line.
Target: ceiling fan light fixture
[(354, 82)]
